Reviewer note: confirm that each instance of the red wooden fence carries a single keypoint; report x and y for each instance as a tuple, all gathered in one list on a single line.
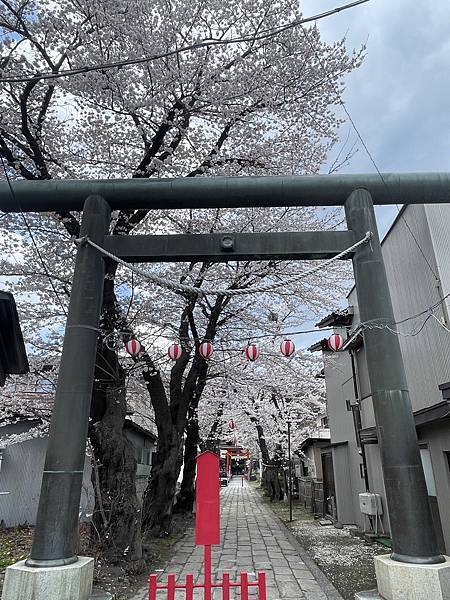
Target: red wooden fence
[(189, 586)]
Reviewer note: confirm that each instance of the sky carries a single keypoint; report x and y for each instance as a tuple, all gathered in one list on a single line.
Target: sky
[(399, 98)]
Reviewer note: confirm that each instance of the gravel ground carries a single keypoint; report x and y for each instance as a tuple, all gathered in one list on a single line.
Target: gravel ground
[(347, 561)]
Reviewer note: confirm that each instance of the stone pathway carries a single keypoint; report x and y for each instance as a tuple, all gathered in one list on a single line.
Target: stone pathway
[(252, 540)]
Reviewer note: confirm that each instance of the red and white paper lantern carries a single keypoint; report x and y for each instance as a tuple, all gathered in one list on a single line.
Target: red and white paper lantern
[(133, 347), (287, 348), (251, 352), (206, 349), (335, 342), (174, 351), (231, 424)]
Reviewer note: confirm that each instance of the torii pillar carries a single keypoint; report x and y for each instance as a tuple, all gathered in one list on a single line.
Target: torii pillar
[(415, 568)]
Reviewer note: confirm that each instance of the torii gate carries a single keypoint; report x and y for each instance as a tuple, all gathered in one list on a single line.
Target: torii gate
[(412, 530)]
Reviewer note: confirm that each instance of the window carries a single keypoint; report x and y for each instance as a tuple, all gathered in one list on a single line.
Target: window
[(145, 456)]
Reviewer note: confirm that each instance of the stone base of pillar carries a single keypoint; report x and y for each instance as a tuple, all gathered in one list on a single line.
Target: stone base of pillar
[(100, 595), (69, 582), (406, 581), (369, 595)]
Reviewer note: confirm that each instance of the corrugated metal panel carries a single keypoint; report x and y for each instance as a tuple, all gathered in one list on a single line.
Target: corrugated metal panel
[(413, 288), (439, 220), (21, 475)]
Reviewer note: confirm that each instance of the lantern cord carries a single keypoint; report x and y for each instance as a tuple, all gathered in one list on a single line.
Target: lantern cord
[(184, 288)]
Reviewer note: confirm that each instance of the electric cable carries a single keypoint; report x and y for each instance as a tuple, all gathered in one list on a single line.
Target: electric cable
[(30, 233), (264, 34), (366, 148)]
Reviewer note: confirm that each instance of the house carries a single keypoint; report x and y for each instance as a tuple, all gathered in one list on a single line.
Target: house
[(416, 252), (22, 462), (312, 447), (144, 442)]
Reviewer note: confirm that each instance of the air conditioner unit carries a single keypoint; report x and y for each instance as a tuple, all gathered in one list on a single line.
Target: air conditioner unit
[(370, 504)]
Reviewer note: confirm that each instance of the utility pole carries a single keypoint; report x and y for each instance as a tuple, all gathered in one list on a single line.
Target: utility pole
[(413, 536), (56, 534), (290, 470)]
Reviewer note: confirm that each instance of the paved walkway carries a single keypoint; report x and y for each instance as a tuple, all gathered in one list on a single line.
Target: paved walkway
[(252, 540)]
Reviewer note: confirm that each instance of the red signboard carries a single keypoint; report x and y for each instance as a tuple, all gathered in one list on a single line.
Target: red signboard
[(207, 532), (207, 500)]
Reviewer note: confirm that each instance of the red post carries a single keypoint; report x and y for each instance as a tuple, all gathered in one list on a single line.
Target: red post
[(226, 586), (208, 574), (244, 586), (262, 585), (153, 580), (170, 586), (189, 586)]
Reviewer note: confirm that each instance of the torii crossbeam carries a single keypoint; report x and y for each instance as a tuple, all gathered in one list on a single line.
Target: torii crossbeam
[(411, 523)]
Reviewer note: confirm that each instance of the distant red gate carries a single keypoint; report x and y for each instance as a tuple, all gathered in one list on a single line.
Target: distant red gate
[(207, 533)]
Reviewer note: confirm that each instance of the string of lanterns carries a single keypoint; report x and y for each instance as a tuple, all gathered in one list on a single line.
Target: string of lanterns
[(251, 351)]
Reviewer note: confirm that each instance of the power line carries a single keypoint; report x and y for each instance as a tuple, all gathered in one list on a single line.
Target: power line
[(268, 33), (30, 233), (366, 148)]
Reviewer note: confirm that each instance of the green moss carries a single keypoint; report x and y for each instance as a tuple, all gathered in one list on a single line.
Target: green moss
[(14, 545)]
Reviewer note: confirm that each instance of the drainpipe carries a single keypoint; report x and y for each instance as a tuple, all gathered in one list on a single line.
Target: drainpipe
[(356, 410)]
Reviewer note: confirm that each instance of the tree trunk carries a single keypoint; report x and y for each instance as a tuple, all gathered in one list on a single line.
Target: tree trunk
[(171, 414), (186, 497), (159, 498), (117, 515), (272, 483)]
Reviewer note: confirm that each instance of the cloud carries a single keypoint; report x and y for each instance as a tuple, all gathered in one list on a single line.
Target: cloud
[(398, 98)]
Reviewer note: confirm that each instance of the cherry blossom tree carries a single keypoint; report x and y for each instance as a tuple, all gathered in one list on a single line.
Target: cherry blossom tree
[(261, 106), (260, 398)]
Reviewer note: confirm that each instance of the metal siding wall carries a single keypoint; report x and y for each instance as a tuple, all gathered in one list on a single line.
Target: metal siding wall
[(439, 219), (426, 356), (413, 288), (21, 475)]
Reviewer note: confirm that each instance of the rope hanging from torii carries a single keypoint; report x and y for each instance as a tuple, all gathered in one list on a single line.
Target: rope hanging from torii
[(182, 287)]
